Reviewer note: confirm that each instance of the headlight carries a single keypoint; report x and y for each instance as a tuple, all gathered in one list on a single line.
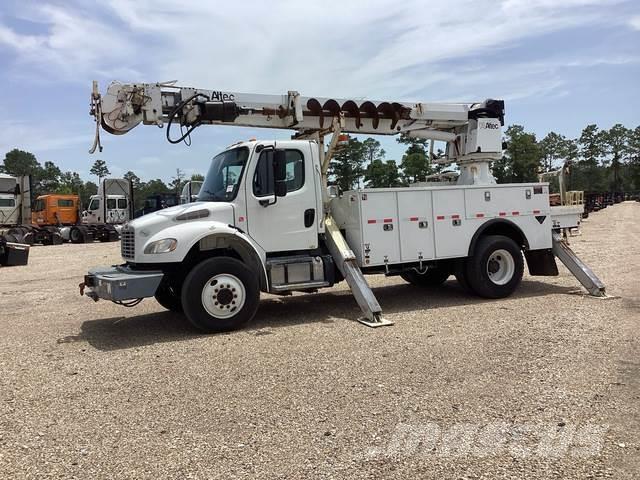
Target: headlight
[(162, 246)]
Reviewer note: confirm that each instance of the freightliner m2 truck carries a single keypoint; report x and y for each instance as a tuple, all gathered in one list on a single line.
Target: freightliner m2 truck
[(267, 221)]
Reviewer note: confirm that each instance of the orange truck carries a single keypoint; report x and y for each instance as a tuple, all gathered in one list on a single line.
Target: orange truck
[(55, 209)]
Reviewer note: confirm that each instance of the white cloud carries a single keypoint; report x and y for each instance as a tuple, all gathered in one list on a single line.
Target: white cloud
[(326, 49), (404, 50), (39, 137), (72, 44)]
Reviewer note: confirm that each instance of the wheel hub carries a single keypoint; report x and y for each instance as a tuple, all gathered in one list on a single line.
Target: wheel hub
[(223, 295), (501, 267)]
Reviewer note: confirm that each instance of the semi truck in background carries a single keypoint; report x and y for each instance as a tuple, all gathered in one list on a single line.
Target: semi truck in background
[(159, 201), (15, 214), (54, 218), (190, 191), (111, 208), (156, 202)]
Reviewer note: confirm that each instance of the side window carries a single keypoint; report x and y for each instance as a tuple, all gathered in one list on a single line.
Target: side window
[(62, 202), (111, 203), (95, 204), (122, 203), (263, 177)]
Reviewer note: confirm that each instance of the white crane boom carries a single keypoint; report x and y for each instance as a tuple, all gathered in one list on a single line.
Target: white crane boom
[(124, 106)]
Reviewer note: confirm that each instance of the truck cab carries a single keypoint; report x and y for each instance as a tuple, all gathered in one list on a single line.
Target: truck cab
[(55, 209), (116, 212), (238, 197), (9, 214)]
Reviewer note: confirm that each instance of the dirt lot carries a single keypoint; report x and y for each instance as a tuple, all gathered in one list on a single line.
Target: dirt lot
[(98, 391)]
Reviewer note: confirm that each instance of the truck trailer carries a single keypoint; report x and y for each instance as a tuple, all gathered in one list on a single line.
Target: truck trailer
[(265, 219)]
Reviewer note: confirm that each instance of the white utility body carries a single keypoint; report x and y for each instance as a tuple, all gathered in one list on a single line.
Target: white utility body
[(265, 219)]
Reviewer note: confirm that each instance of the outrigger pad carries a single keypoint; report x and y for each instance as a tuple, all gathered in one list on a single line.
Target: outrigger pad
[(377, 322)]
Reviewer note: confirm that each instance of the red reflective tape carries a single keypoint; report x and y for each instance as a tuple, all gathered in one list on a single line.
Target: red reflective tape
[(479, 215), (503, 214), (388, 220), (413, 219), (455, 216), (440, 217), (515, 213), (371, 221), (536, 212)]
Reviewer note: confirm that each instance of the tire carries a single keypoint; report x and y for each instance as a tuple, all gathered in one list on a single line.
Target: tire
[(220, 294), (168, 298), (433, 277), (459, 271), (495, 270), (76, 236)]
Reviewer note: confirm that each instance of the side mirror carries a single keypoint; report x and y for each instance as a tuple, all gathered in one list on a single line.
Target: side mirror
[(333, 191), (280, 173)]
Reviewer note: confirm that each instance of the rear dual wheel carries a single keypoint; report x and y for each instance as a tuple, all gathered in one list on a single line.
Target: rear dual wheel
[(76, 236), (495, 270)]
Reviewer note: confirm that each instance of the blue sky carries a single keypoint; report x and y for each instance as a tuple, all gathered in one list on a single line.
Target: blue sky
[(559, 65)]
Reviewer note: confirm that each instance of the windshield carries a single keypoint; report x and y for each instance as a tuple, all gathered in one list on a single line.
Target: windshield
[(38, 206), (223, 178)]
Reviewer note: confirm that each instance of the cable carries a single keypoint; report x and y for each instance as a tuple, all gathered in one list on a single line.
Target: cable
[(131, 303), (173, 115)]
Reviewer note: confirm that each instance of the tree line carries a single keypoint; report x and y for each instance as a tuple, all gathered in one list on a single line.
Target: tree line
[(49, 178), (600, 160)]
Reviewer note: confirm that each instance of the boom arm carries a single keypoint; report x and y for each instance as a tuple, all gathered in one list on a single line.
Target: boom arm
[(124, 106)]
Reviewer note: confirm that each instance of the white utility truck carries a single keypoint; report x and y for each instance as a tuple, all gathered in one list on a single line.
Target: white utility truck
[(265, 220)]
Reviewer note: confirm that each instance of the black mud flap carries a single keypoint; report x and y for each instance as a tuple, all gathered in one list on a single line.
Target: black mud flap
[(541, 263)]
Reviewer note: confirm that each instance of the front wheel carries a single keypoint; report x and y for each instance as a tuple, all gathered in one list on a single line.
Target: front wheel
[(495, 270), (220, 294), (168, 298)]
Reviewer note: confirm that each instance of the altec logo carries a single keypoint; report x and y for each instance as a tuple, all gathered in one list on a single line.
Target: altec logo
[(220, 96), (492, 126)]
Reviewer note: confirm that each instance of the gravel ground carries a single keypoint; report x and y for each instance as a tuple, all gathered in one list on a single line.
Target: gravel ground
[(98, 391)]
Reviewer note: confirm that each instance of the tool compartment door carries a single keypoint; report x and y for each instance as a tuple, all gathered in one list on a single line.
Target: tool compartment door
[(380, 236), (416, 225), (452, 231)]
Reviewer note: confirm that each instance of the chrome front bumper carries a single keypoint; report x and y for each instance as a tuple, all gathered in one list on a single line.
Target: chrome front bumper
[(118, 283)]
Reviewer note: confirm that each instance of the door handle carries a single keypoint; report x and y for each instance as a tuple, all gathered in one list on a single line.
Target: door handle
[(309, 217)]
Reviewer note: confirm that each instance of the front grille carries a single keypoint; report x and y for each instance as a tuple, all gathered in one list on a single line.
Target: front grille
[(127, 242)]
